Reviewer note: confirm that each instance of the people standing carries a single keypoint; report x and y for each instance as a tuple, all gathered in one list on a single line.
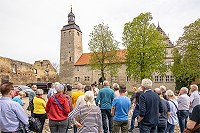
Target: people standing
[(58, 109), (76, 94), (173, 119), (106, 96), (52, 90), (163, 91), (194, 97), (39, 108), (149, 108), (12, 112), (19, 97), (162, 124), (95, 90), (183, 108), (120, 109), (80, 101), (31, 96), (135, 103), (194, 119), (87, 117), (116, 89)]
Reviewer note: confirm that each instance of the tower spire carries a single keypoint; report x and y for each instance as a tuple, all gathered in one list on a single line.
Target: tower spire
[(71, 17)]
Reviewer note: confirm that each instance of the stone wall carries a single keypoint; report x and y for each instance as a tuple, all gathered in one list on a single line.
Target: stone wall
[(22, 73)]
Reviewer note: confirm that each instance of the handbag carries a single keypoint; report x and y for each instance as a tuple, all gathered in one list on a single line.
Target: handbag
[(34, 124), (23, 128), (191, 130)]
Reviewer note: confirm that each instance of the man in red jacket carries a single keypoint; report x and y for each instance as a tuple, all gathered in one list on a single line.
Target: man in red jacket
[(58, 109)]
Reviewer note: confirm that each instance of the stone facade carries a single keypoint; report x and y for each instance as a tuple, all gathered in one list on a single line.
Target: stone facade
[(22, 73), (74, 64), (70, 49)]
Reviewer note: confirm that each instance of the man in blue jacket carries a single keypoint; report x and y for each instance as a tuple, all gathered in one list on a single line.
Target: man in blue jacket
[(149, 109), (106, 96)]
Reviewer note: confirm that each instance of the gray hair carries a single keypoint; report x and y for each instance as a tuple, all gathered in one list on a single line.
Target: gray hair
[(39, 92), (116, 86), (163, 88), (59, 88), (184, 89), (105, 83), (89, 98), (170, 93), (146, 83), (194, 86), (79, 86)]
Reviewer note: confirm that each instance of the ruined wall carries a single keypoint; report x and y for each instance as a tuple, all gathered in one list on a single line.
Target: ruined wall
[(21, 73)]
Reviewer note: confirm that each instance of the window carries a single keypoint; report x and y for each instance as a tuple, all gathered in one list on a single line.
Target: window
[(161, 79), (114, 78), (64, 33), (14, 68), (156, 79), (78, 33), (35, 71), (87, 78), (77, 79), (167, 78), (171, 78), (70, 33), (168, 63), (127, 78), (70, 59), (77, 68)]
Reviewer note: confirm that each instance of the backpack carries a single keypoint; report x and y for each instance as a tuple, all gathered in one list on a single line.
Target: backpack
[(34, 124)]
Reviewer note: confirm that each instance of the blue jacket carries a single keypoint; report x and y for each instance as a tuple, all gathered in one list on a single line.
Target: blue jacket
[(105, 96), (150, 107)]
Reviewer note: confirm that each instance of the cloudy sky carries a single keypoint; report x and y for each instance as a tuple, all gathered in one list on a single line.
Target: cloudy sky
[(30, 29)]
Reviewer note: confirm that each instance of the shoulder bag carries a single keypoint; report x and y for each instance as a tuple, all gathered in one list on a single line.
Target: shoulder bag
[(191, 130)]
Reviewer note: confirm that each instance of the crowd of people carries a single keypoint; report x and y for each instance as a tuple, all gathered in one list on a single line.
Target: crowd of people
[(90, 109)]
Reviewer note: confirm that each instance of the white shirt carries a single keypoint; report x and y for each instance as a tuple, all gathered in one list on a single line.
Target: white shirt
[(183, 102), (194, 99)]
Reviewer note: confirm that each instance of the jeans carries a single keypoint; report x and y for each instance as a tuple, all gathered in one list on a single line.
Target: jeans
[(106, 113), (58, 126), (123, 125), (147, 129), (182, 119), (170, 128), (161, 129), (135, 114)]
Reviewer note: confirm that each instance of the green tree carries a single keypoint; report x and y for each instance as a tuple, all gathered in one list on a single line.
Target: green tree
[(103, 49), (186, 54), (145, 48)]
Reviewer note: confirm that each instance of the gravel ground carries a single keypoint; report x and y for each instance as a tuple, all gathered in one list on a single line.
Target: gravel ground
[(46, 127)]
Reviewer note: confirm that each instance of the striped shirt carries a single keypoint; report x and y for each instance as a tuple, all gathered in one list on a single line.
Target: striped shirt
[(90, 119)]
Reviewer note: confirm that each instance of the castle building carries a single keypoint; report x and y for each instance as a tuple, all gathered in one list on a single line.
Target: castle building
[(22, 73), (74, 64)]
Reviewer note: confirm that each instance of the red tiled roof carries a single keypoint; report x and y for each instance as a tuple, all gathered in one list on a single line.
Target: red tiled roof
[(85, 57)]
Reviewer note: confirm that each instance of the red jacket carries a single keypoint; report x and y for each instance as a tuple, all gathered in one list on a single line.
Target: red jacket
[(54, 111)]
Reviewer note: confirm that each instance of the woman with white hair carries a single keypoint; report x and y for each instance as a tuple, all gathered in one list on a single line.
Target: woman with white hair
[(87, 117), (173, 119), (39, 107)]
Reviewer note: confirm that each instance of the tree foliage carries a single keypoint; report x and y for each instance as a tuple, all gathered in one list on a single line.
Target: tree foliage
[(103, 49), (186, 54), (145, 48)]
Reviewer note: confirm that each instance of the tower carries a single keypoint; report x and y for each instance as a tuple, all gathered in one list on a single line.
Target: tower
[(70, 49)]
